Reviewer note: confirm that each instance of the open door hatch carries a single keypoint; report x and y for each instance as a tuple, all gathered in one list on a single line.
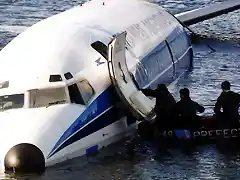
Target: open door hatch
[(134, 99)]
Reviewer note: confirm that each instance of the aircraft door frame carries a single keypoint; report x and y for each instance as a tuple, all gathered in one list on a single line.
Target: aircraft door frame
[(139, 104)]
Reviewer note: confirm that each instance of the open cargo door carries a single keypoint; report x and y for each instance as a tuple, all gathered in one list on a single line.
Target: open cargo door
[(134, 99)]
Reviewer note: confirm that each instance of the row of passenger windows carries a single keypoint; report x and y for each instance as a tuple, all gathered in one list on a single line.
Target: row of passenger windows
[(80, 93)]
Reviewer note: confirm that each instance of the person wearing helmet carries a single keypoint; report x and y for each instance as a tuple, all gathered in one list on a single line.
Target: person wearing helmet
[(229, 102), (164, 105), (186, 110)]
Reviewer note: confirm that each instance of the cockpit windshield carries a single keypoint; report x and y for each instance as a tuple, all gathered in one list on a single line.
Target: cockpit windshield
[(11, 101), (47, 97)]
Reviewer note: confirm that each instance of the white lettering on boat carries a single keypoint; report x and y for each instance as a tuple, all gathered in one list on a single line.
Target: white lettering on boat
[(226, 133)]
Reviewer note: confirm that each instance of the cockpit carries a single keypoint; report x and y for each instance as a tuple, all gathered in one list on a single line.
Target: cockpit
[(80, 92)]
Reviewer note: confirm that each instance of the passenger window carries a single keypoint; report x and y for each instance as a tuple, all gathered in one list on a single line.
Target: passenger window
[(86, 90), (75, 95), (101, 48), (47, 97)]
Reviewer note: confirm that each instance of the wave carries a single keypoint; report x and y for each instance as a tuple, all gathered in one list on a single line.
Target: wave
[(13, 29)]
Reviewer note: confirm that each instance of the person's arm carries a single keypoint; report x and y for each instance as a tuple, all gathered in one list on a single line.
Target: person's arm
[(238, 97), (149, 92), (218, 106), (171, 98), (200, 108)]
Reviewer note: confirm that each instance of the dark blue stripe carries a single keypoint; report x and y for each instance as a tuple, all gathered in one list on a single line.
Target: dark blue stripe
[(105, 100), (102, 121), (181, 133), (92, 149)]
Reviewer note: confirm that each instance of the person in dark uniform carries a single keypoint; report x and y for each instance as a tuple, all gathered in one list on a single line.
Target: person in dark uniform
[(164, 105), (186, 110), (229, 102)]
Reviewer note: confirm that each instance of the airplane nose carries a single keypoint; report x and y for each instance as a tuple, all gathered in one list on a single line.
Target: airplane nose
[(24, 158)]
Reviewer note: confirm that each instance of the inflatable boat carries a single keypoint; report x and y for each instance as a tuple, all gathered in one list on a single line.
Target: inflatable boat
[(208, 132)]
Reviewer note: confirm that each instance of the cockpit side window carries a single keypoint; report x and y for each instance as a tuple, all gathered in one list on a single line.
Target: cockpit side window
[(47, 97), (86, 90), (11, 101), (81, 92), (75, 95), (101, 48)]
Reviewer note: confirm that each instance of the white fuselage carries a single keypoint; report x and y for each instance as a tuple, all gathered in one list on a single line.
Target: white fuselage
[(62, 44)]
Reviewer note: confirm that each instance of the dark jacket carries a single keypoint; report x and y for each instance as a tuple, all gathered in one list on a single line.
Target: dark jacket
[(229, 101), (187, 108), (164, 101)]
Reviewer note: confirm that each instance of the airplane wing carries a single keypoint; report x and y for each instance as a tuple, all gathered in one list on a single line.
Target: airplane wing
[(201, 14)]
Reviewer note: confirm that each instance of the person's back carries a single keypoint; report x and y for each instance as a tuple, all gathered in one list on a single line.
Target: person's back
[(186, 110), (189, 108), (229, 102), (164, 103), (162, 95), (164, 100)]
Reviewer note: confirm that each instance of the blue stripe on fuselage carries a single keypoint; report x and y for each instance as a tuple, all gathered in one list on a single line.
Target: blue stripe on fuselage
[(103, 102)]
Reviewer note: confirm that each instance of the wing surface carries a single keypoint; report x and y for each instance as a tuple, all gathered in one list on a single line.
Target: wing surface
[(205, 13)]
